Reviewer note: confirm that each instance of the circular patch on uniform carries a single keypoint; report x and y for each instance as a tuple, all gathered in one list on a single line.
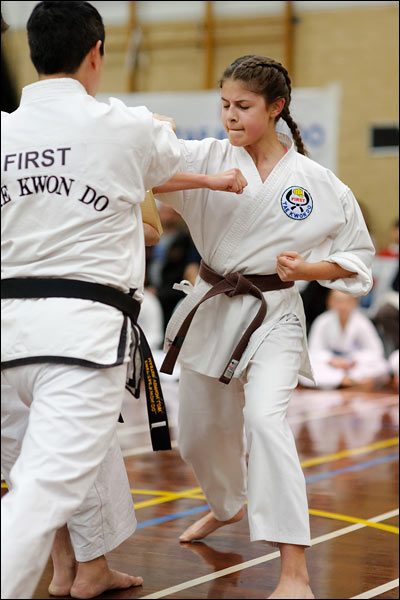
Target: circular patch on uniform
[(297, 203)]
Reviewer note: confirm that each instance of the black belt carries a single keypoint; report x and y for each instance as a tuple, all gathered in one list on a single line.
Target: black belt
[(72, 288), (233, 284)]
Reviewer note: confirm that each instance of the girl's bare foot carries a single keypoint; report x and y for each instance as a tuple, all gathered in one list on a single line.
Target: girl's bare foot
[(206, 525), (294, 581), (291, 590)]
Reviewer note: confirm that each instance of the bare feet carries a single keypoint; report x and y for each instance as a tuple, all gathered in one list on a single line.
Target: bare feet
[(85, 579), (62, 580), (64, 564), (291, 590), (95, 577), (206, 525)]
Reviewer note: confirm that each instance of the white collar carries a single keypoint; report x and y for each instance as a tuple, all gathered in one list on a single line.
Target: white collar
[(51, 87)]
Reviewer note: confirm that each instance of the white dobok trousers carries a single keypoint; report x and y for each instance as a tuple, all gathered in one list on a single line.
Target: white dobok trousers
[(211, 420), (64, 466), (106, 517)]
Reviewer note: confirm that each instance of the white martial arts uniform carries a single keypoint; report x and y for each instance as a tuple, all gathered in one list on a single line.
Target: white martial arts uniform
[(106, 517), (300, 207), (358, 342), (74, 172)]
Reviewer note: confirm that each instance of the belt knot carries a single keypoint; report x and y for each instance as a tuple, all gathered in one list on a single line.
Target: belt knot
[(240, 284)]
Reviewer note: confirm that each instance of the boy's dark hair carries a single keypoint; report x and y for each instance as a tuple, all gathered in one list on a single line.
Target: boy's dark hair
[(60, 35)]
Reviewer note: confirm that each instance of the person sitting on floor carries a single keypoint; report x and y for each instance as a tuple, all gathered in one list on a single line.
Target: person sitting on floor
[(345, 348)]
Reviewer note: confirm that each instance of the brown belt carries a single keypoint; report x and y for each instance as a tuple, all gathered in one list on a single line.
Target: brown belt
[(233, 284)]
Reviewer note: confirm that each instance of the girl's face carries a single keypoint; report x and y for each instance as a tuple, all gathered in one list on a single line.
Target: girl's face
[(246, 117)]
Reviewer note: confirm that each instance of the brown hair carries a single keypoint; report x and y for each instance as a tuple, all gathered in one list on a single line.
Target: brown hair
[(267, 77)]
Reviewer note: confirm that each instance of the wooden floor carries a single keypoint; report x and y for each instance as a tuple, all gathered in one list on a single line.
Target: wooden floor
[(348, 447)]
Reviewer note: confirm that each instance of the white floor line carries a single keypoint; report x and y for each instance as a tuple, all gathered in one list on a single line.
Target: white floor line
[(379, 590), (262, 559)]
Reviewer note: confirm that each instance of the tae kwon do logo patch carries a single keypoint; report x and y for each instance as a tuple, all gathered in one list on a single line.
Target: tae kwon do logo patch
[(297, 203)]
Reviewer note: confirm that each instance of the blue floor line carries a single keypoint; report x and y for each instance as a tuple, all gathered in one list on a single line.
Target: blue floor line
[(309, 479), (357, 467)]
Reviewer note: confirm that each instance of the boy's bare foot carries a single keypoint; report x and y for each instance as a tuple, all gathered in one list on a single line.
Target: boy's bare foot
[(95, 577), (62, 580), (206, 525), (64, 564), (85, 579)]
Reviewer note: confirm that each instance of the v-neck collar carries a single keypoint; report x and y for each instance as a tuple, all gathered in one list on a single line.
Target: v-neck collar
[(253, 175)]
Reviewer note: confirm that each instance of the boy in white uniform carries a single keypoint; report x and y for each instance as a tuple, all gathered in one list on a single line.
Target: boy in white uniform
[(251, 244), (74, 172), (104, 520)]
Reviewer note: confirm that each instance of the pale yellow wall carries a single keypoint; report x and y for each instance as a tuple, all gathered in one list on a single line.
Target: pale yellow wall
[(16, 49), (356, 47), (359, 49)]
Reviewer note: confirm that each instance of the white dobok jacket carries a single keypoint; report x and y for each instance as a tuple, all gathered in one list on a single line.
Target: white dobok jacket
[(74, 172), (301, 207)]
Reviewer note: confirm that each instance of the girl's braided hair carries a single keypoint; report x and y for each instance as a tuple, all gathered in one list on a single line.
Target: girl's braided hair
[(269, 78)]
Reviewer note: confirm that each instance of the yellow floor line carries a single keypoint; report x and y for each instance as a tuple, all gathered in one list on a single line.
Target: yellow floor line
[(348, 519), (195, 493), (352, 452), (196, 496), (166, 497), (152, 492)]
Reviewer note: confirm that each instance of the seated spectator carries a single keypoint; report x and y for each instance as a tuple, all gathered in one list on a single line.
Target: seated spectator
[(384, 268), (386, 317), (392, 248), (345, 349), (175, 258)]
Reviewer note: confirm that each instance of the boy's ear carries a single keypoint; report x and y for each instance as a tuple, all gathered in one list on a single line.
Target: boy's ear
[(95, 54)]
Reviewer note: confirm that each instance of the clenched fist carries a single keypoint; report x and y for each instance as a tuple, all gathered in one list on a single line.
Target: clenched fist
[(228, 181), (290, 266)]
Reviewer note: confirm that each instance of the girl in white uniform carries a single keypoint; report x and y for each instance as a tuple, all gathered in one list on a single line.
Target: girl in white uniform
[(290, 207)]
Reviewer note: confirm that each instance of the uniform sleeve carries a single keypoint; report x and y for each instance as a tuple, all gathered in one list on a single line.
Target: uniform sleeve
[(353, 250), (165, 155), (196, 156)]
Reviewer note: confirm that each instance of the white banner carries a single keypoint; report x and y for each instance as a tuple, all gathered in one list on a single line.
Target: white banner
[(315, 111)]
